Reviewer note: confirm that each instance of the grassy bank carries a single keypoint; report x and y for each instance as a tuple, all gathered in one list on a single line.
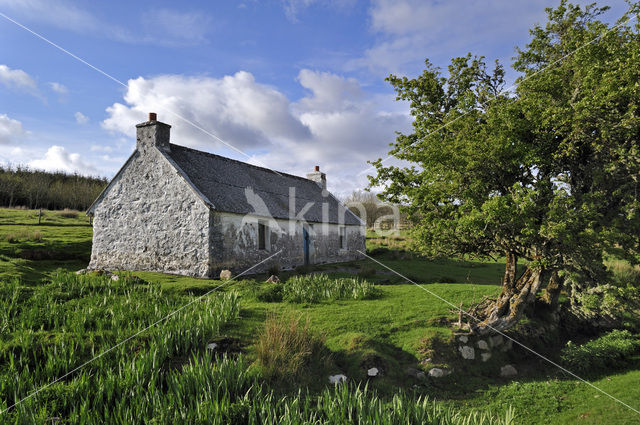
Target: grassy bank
[(52, 321)]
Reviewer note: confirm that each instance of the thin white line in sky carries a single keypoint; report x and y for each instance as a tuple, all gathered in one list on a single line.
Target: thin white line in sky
[(513, 86), (111, 77)]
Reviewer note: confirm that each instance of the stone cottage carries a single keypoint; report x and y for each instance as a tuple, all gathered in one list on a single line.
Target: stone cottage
[(178, 210)]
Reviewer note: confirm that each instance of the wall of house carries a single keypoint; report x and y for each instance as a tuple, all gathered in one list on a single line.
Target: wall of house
[(234, 243), (151, 220)]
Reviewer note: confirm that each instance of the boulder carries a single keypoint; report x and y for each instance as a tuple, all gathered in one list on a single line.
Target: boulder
[(415, 373), (508, 371), (225, 275), (507, 345), (496, 340), (467, 352), (337, 379), (273, 279), (373, 372), (436, 372)]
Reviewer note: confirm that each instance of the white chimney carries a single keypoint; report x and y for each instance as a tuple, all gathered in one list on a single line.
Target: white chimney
[(318, 177)]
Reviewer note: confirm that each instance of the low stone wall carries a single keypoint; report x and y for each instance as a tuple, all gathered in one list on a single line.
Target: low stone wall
[(473, 347)]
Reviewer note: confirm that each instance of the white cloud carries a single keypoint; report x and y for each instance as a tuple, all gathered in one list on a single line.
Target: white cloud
[(11, 130), (409, 31), (81, 118), (337, 125), (58, 159), (100, 148), (17, 79), (61, 89), (293, 7), (160, 27), (235, 108), (171, 27)]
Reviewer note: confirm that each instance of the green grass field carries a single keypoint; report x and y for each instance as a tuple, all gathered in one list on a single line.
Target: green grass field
[(52, 321)]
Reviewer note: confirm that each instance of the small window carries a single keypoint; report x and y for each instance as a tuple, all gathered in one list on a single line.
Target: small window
[(343, 237), (262, 236)]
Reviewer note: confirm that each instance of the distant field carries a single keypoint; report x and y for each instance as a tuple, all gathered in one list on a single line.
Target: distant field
[(51, 322)]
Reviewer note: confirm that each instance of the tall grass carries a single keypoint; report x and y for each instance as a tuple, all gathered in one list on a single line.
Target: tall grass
[(51, 329), (287, 348), (165, 375), (24, 235), (314, 288)]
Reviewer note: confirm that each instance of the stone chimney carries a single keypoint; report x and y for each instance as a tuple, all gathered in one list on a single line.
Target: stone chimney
[(318, 177), (152, 133)]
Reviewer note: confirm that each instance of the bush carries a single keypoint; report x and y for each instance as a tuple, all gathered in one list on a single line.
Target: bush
[(610, 350), (270, 293), (303, 269), (367, 272), (67, 213), (24, 235), (319, 287), (287, 347), (274, 270)]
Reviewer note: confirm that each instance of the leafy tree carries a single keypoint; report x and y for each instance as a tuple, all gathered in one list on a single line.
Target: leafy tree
[(548, 173)]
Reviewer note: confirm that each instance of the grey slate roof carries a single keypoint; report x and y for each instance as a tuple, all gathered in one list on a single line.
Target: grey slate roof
[(223, 181)]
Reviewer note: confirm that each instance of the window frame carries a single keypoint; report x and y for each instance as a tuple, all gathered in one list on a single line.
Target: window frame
[(263, 238)]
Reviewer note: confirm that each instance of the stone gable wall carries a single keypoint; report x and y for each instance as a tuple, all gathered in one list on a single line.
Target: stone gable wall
[(151, 220)]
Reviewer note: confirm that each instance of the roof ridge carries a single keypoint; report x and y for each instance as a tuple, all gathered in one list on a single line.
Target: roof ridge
[(239, 162)]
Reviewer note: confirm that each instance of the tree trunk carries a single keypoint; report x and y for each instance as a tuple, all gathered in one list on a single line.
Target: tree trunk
[(516, 296), (552, 291)]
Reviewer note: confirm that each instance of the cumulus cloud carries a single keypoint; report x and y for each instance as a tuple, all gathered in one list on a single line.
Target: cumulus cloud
[(11, 130), (235, 108), (81, 118), (59, 88), (17, 79), (57, 158), (337, 124)]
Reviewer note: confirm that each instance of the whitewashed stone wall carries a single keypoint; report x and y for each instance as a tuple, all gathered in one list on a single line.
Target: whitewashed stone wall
[(151, 220), (234, 243)]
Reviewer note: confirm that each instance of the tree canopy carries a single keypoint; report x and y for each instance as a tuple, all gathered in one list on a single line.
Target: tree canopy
[(547, 172)]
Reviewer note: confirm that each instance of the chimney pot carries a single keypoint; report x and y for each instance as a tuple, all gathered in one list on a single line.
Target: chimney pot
[(318, 177), (153, 116)]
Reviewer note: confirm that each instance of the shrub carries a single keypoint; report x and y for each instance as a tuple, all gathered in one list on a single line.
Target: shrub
[(303, 269), (287, 347), (367, 272), (67, 213), (270, 293), (610, 350), (319, 287), (377, 251), (274, 270), (24, 235)]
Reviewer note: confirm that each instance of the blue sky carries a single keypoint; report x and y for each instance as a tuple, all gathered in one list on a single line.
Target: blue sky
[(291, 84)]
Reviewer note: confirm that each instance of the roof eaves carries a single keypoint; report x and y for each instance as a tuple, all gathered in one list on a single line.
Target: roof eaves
[(106, 189)]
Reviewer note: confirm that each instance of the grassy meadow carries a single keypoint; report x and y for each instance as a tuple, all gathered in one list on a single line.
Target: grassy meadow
[(276, 344)]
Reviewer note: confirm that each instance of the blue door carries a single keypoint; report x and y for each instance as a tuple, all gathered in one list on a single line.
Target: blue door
[(305, 236)]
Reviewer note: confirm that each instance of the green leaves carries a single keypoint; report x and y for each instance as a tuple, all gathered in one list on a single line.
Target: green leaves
[(549, 173)]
